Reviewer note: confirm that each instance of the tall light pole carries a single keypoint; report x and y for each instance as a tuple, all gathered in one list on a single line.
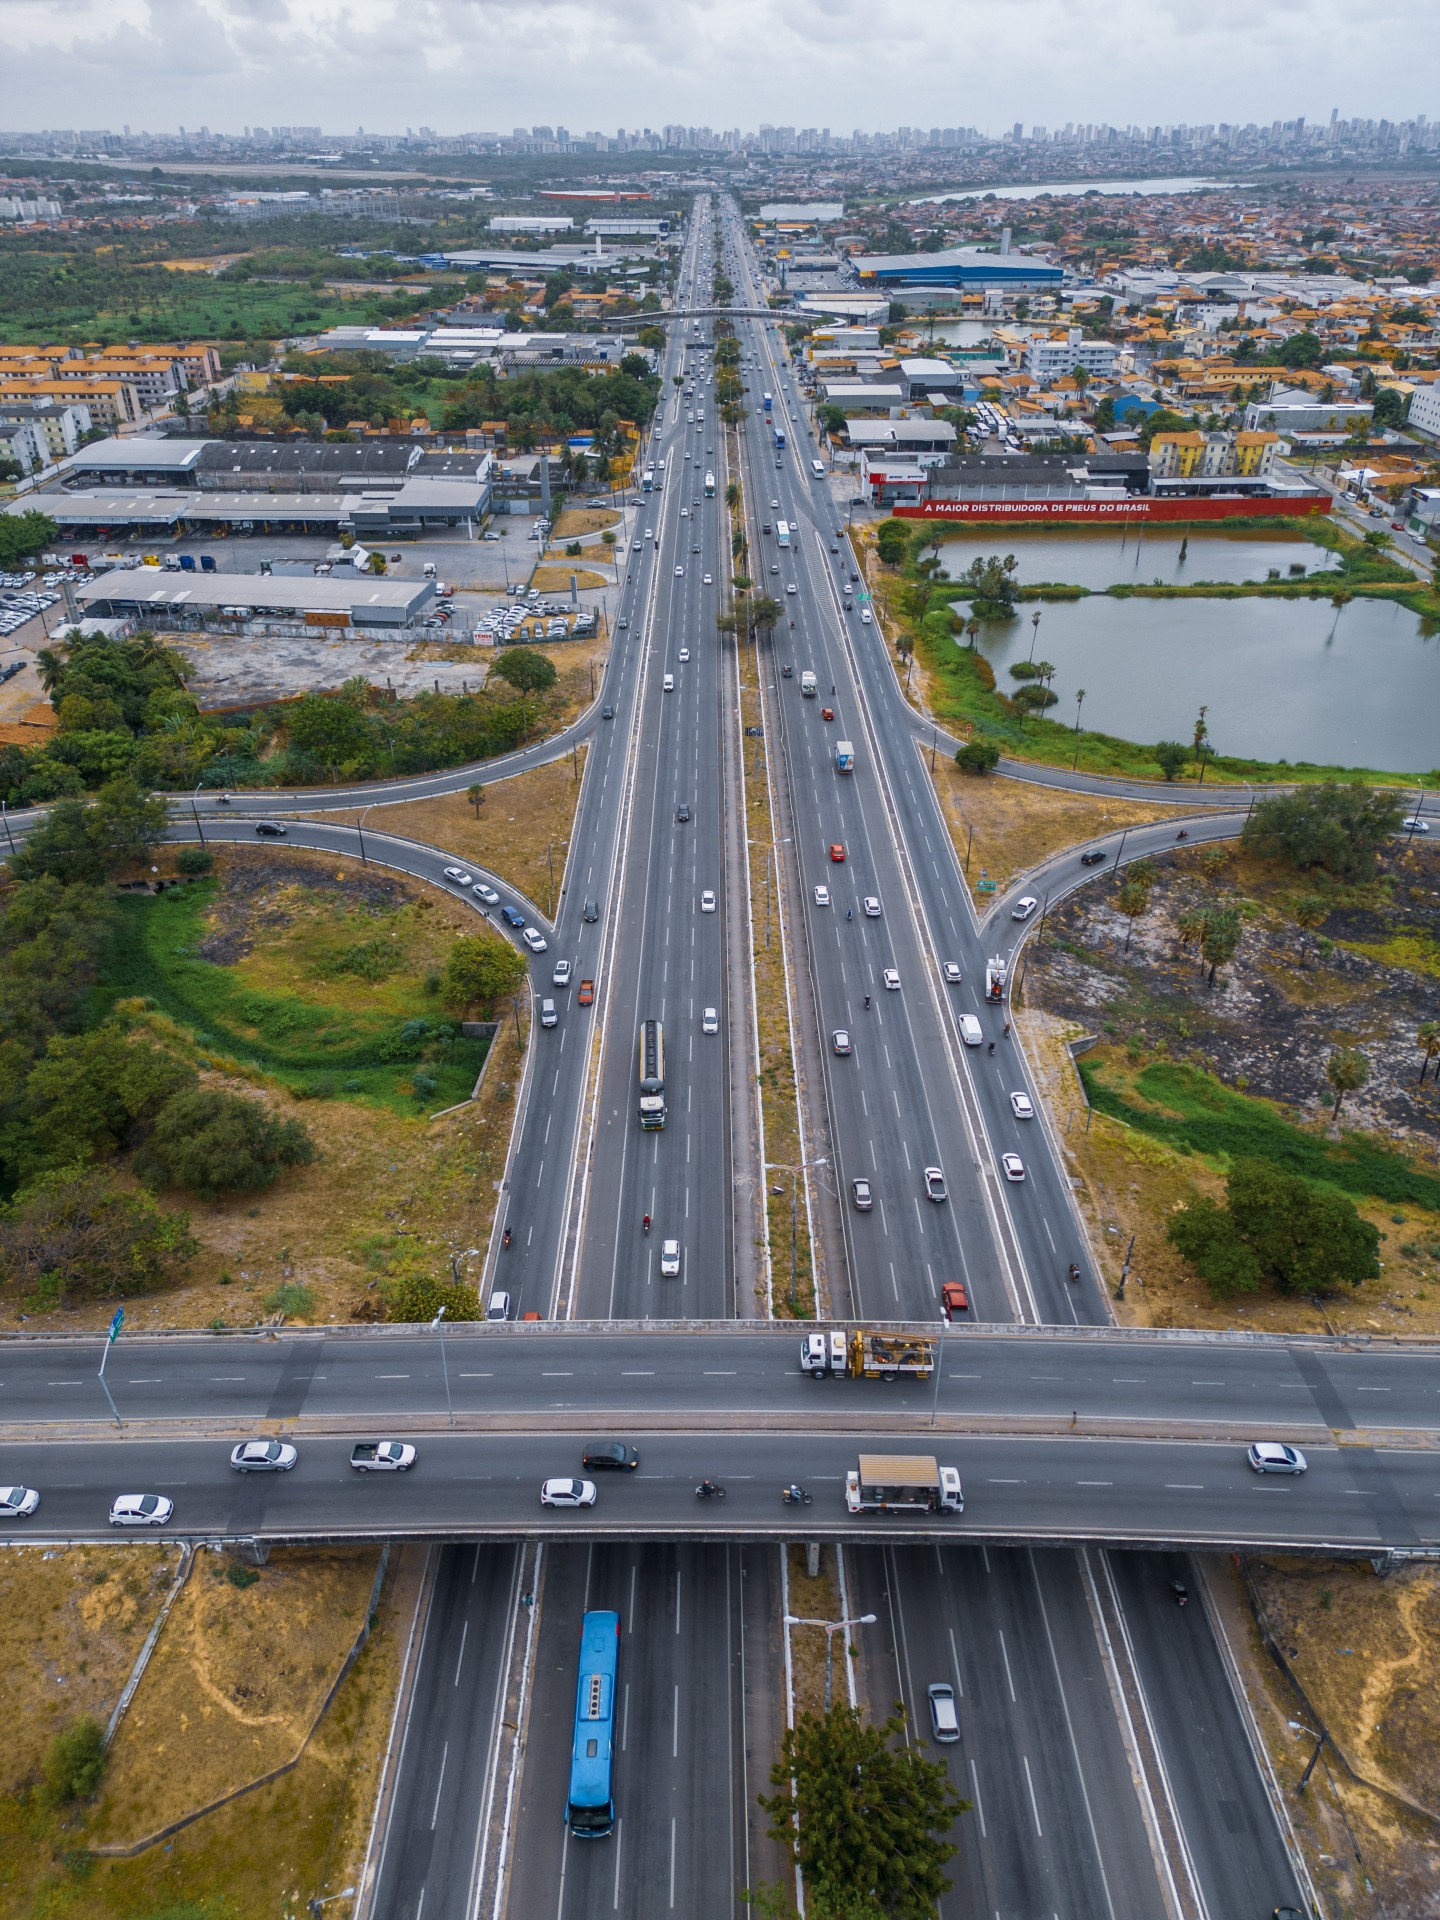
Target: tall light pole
[(437, 1327), (830, 1628), (360, 829), (194, 808)]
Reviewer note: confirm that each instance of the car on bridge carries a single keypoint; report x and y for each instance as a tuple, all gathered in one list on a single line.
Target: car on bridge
[(669, 1259), (610, 1455), (141, 1510), (1273, 1456), (263, 1456), (271, 828), (567, 1493), (935, 1188), (17, 1502), (1094, 857)]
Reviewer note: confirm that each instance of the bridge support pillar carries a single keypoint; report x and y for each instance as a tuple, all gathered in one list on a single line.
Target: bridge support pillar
[(812, 1559), (250, 1553)]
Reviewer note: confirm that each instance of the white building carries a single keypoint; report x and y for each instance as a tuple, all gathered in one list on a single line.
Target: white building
[(531, 223), (1057, 356), (37, 433), (1297, 410), (1424, 414)]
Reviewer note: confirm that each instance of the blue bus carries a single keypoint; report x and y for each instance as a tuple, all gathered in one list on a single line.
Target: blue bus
[(590, 1814), (779, 438)]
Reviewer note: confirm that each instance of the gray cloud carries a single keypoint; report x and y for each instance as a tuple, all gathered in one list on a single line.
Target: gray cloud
[(475, 64)]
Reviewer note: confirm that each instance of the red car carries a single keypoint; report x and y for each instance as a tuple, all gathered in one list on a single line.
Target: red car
[(837, 851), (585, 996), (827, 713), (954, 1299)]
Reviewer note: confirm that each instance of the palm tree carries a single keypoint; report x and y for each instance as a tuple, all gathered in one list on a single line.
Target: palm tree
[(1079, 702), (1347, 1070), (51, 668), (475, 794), (1427, 1038), (971, 630)]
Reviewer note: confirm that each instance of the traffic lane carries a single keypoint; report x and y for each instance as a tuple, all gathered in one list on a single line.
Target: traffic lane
[(1236, 1850), (1296, 1388), (1063, 875), (1050, 1490), (431, 1848)]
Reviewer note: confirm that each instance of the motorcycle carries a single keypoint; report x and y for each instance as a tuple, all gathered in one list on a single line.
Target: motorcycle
[(505, 1238), (707, 1490), (645, 1224), (1074, 1273), (1182, 1597), (794, 1496), (1183, 834)]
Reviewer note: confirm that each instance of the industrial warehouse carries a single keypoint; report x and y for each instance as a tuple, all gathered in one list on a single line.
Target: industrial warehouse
[(182, 602)]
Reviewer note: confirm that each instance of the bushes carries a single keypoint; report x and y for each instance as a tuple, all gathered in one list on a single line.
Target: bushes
[(414, 1297), (215, 1142), (80, 1230), (978, 757), (480, 971), (74, 1763), (1337, 828), (1278, 1226)]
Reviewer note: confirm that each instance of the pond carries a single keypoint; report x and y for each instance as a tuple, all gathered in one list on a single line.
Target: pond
[(1281, 679), (1141, 556)]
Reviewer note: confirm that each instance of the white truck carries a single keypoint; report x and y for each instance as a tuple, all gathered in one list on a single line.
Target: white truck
[(903, 1483), (382, 1456), (844, 756), (995, 978), (867, 1354), (807, 684)]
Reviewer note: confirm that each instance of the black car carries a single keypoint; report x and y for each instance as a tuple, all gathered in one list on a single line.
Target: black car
[(512, 917), (271, 827), (609, 1453), (682, 812), (787, 672), (1093, 858)]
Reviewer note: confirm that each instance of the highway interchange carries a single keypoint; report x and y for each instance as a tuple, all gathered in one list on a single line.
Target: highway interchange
[(1102, 1741)]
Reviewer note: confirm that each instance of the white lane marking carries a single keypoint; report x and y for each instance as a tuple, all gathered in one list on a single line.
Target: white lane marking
[(464, 1634), (1034, 1805), (1009, 1677), (439, 1784)]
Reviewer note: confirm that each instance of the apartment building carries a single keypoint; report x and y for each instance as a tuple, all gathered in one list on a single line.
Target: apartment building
[(1212, 456), (1053, 358), (38, 433)]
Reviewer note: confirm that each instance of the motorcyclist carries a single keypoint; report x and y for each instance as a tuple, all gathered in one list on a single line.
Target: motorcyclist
[(645, 1224), (505, 1238), (991, 1047), (794, 1494), (849, 913), (1074, 1271), (706, 1488), (867, 1003), (1182, 1596)]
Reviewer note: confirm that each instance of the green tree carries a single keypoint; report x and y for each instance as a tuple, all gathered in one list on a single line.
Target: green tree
[(213, 1142), (978, 756), (412, 1298), (475, 794), (865, 1819), (88, 1092), (1134, 895), (1347, 1070), (85, 842), (892, 543), (526, 669), (480, 971), (1170, 756), (1219, 938), (1338, 827), (81, 1230), (74, 1763), (1204, 1234), (1310, 913), (22, 534), (1277, 1225)]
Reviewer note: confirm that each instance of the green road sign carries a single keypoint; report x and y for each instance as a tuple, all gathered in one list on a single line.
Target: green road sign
[(985, 886)]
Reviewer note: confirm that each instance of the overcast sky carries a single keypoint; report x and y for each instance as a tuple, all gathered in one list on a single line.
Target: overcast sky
[(462, 65)]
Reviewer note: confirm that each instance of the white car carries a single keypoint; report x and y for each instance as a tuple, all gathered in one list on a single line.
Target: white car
[(683, 655), (1023, 909), (141, 1510), (487, 894), (872, 907), (263, 1456), (822, 896), (1012, 1166), (459, 876), (679, 573), (667, 685), (534, 939), (669, 1259), (17, 1502), (635, 546), (707, 901), (567, 1493), (708, 582), (774, 506), (710, 1021), (561, 976), (935, 1188), (952, 973), (891, 979), (1412, 823), (790, 586), (865, 615), (1270, 1456), (1020, 1106)]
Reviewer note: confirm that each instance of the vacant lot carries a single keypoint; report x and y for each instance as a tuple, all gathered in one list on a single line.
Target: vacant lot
[(575, 521), (1188, 1077)]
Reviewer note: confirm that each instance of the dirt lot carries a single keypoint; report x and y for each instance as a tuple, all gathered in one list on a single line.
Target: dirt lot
[(575, 521), (1266, 1030), (72, 1621), (1010, 826), (1363, 1649), (555, 577), (234, 1686), (510, 831)]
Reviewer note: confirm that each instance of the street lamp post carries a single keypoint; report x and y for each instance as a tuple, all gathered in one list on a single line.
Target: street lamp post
[(323, 1900), (436, 1326), (360, 829), (194, 808), (830, 1628)]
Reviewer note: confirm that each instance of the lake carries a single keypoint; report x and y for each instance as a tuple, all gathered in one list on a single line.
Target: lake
[(1282, 679), (1142, 556), (1072, 189)]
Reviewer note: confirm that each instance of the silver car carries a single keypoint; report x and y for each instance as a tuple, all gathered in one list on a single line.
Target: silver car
[(141, 1510), (263, 1456)]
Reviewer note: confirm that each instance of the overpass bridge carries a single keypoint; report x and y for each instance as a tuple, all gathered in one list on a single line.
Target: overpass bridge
[(1062, 1436)]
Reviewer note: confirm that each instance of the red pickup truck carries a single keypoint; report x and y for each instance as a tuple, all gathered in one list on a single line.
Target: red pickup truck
[(585, 996)]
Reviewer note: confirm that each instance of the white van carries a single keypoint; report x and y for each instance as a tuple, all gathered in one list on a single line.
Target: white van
[(970, 1029), (499, 1307), (548, 1015)]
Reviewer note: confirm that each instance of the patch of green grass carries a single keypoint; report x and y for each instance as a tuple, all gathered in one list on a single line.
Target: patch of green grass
[(1193, 1112), (317, 1048), (295, 1301)]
